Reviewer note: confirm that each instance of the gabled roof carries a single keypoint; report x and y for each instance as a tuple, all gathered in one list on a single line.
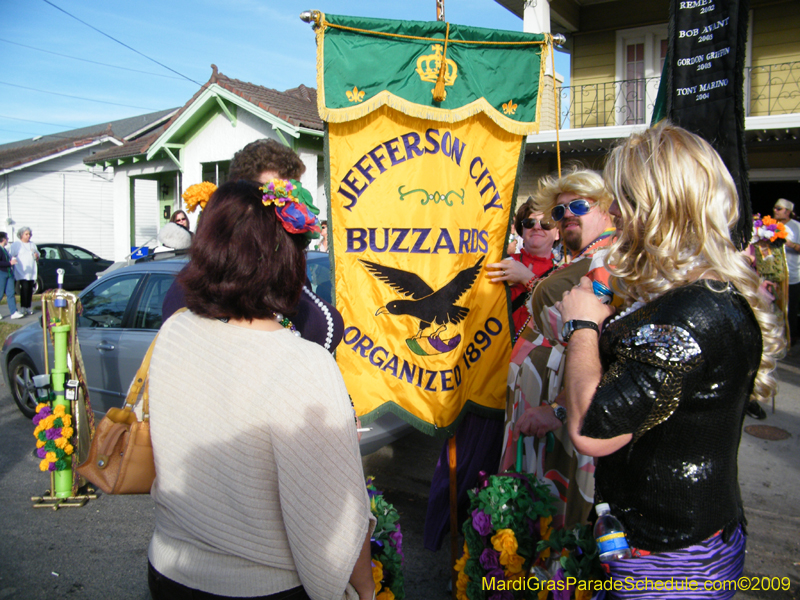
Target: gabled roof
[(17, 154), (291, 110)]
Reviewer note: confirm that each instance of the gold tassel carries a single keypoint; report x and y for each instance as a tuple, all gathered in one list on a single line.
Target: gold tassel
[(439, 93)]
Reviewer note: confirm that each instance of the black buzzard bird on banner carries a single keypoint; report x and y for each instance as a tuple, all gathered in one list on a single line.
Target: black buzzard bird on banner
[(426, 304)]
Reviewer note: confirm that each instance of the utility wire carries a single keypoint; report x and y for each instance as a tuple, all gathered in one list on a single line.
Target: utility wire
[(76, 97), (122, 43), (32, 121), (94, 62)]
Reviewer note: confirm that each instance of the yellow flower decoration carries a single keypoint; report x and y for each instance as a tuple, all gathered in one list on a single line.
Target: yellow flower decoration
[(461, 586), (510, 108), (68, 449), (59, 410), (513, 564), (47, 422), (44, 465), (386, 594), (198, 195), (543, 593), (505, 542), (38, 430), (39, 444), (40, 406), (61, 442), (377, 574), (355, 95), (66, 421), (583, 594), (67, 432), (51, 457), (462, 562)]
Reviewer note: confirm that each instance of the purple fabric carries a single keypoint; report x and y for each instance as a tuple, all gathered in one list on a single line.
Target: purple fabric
[(478, 444), (309, 319), (714, 561)]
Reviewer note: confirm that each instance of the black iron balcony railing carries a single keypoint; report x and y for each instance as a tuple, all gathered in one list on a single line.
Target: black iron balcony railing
[(771, 90)]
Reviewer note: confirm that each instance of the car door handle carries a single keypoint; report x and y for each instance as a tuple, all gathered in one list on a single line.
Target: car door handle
[(105, 346)]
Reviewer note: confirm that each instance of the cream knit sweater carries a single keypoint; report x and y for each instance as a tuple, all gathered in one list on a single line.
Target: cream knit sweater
[(259, 486)]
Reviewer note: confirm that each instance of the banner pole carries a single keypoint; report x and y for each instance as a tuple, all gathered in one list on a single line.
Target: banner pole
[(440, 10), (451, 456)]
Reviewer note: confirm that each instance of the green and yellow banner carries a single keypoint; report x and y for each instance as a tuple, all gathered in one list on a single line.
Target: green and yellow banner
[(421, 195)]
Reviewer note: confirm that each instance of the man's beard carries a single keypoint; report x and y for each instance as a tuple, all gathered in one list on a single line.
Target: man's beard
[(573, 238)]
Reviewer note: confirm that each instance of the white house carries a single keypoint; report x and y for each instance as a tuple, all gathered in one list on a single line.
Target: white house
[(45, 185), (150, 173)]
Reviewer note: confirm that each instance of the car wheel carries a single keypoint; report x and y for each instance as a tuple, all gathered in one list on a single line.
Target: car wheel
[(38, 287), (20, 373)]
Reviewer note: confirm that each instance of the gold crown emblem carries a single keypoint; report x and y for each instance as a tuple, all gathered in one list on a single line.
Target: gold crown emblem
[(429, 65)]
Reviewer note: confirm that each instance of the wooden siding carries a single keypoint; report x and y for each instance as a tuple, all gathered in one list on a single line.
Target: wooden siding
[(775, 73), (593, 73), (145, 211), (61, 202)]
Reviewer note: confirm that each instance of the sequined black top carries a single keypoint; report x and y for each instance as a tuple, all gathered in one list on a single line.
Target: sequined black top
[(678, 373)]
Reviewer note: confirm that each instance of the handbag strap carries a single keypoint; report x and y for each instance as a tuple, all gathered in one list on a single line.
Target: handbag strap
[(142, 380)]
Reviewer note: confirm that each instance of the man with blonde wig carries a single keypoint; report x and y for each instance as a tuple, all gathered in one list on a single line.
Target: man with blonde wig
[(578, 203), (660, 396)]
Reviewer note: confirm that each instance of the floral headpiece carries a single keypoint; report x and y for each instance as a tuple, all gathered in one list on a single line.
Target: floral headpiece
[(293, 205), (198, 194)]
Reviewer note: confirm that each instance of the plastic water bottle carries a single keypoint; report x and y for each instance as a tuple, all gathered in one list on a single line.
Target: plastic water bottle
[(610, 535)]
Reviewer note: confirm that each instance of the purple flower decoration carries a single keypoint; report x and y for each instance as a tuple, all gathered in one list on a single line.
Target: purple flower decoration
[(490, 559), (54, 434), (397, 539), (564, 594), (41, 452), (51, 467), (481, 522), (503, 595), (496, 574)]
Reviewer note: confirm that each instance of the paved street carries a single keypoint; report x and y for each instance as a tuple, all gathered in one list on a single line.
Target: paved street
[(99, 551)]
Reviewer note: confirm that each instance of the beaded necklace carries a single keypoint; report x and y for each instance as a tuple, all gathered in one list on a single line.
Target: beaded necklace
[(603, 236), (282, 321)]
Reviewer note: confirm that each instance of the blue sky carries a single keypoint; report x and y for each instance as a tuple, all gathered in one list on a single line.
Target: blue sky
[(260, 41)]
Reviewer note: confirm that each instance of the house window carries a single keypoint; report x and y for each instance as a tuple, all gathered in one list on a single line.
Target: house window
[(216, 172), (640, 58)]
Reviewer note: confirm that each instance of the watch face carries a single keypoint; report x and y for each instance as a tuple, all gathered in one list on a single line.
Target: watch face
[(566, 330), (561, 413)]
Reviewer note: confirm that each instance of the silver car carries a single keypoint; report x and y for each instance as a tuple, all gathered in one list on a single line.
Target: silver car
[(121, 316)]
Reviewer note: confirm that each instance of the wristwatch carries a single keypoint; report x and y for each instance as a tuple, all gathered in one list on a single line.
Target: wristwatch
[(572, 326), (559, 411)]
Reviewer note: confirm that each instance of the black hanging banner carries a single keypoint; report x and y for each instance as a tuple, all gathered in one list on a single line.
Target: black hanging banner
[(704, 92)]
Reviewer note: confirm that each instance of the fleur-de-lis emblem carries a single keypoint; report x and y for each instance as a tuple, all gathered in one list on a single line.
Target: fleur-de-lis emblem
[(355, 95), (510, 108)]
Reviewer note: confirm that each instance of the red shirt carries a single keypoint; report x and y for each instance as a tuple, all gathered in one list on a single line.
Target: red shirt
[(539, 266)]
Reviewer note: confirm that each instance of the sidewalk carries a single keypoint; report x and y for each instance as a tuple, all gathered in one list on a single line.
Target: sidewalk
[(36, 305), (769, 476)]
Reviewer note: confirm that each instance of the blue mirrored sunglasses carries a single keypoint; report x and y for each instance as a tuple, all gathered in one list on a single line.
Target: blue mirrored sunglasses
[(578, 207)]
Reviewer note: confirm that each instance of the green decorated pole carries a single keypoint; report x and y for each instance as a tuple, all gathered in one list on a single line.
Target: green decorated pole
[(62, 480)]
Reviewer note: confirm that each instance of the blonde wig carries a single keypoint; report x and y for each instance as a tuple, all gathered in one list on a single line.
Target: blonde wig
[(576, 179), (678, 204)]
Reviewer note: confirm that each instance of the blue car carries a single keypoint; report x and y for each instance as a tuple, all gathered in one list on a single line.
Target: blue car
[(121, 316)]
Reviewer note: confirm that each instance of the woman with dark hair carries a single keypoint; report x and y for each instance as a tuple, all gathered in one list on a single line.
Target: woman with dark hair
[(259, 489)]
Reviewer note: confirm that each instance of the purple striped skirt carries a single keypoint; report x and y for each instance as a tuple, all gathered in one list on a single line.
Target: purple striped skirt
[(704, 571)]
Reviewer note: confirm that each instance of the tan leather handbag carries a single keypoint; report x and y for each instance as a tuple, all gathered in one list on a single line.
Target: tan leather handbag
[(120, 457)]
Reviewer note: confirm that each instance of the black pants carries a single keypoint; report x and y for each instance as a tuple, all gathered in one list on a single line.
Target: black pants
[(25, 292), (791, 309), (164, 588)]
